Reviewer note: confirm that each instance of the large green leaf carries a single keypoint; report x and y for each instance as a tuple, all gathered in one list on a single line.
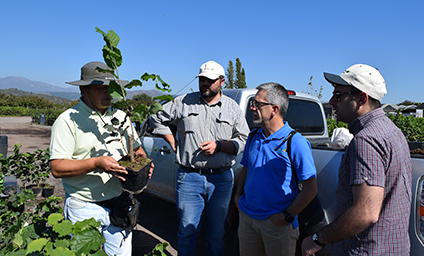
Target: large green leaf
[(61, 252), (140, 108), (115, 90), (164, 84), (36, 245), (54, 218), (121, 104), (110, 71), (162, 89), (87, 240), (147, 76), (112, 38), (164, 97), (100, 31), (63, 228), (65, 243), (155, 107), (81, 225), (112, 56), (133, 83)]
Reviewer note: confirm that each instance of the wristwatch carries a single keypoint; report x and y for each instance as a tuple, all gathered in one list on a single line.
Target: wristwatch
[(289, 217), (316, 241)]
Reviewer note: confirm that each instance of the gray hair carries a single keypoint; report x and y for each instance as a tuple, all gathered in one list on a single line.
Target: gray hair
[(276, 94)]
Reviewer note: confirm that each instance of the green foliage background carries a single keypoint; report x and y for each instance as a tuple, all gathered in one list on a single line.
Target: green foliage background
[(411, 127)]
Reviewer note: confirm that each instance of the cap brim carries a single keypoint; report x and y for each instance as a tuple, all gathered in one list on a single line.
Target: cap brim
[(335, 79), (95, 82), (210, 76)]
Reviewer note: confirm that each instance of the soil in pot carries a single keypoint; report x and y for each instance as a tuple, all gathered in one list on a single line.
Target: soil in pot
[(138, 174)]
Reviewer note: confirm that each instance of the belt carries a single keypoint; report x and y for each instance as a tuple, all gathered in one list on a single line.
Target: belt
[(206, 171)]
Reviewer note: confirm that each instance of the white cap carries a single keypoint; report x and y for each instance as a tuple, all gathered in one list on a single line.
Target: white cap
[(211, 70), (363, 77)]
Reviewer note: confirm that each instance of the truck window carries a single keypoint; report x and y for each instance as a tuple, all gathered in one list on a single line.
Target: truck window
[(305, 116)]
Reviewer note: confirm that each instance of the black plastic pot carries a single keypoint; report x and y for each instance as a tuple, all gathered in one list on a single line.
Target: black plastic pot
[(37, 191), (136, 181), (48, 191)]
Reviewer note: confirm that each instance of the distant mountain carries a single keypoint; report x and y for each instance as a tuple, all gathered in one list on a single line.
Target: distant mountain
[(20, 93), (27, 85), (71, 93)]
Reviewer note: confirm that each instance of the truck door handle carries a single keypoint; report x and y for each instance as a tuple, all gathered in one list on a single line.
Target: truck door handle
[(165, 150)]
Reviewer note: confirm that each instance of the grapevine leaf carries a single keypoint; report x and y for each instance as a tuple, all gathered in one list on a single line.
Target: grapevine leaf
[(87, 240), (37, 245), (60, 251), (147, 76), (110, 71), (55, 218), (133, 83), (100, 31), (63, 229), (115, 90), (164, 84), (162, 89), (140, 108), (121, 104), (62, 243), (164, 97), (112, 38), (155, 107)]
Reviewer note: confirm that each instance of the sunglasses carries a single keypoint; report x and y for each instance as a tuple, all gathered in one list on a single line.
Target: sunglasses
[(258, 104), (205, 79), (338, 95)]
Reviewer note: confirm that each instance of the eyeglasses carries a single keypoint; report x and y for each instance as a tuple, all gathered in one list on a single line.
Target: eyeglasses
[(205, 79), (258, 104), (338, 95)]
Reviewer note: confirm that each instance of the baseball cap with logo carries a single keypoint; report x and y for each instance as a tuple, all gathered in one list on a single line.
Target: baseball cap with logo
[(363, 77), (89, 75), (211, 70)]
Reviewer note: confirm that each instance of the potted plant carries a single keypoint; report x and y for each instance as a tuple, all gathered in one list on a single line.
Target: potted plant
[(137, 167), (32, 169)]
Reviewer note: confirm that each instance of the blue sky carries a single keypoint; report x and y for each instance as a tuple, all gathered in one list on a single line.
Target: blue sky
[(276, 41)]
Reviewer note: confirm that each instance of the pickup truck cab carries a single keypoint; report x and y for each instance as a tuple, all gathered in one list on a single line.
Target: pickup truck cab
[(306, 115)]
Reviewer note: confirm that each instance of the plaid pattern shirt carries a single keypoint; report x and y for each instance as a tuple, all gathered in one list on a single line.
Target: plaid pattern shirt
[(378, 155)]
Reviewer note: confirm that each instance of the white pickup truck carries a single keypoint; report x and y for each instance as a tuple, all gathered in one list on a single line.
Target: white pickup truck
[(306, 114)]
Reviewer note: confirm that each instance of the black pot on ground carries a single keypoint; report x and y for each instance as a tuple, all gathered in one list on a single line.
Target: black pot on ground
[(136, 181), (36, 190), (48, 191)]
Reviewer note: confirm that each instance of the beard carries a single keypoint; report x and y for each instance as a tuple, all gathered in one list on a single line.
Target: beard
[(208, 93)]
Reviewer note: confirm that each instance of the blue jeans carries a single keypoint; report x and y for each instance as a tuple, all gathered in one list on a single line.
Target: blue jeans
[(197, 194), (118, 240)]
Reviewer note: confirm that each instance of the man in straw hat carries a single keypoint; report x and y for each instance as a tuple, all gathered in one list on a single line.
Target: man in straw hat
[(84, 153), (373, 198)]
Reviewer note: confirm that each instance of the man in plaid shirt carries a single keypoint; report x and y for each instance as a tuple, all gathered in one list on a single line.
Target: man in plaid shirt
[(373, 196)]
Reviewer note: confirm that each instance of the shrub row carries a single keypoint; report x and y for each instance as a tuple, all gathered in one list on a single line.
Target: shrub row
[(412, 127), (50, 115)]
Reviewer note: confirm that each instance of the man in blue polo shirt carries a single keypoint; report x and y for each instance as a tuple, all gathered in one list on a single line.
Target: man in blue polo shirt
[(267, 193)]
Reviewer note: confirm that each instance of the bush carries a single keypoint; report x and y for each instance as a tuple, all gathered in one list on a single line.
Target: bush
[(333, 124), (412, 127)]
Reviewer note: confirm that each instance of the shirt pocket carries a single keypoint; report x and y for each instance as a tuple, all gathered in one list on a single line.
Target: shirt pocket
[(224, 123), (191, 122)]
